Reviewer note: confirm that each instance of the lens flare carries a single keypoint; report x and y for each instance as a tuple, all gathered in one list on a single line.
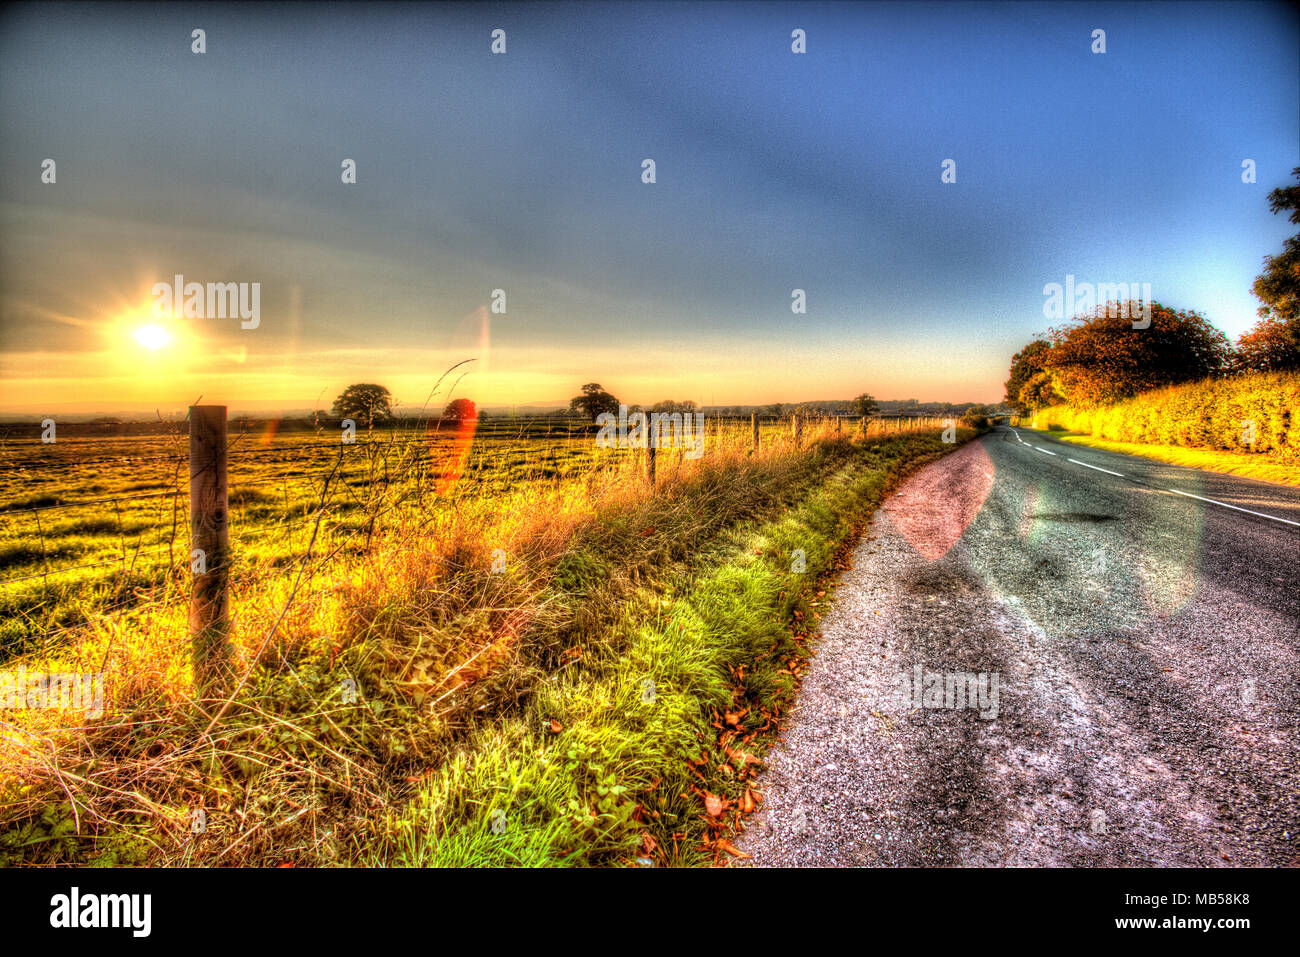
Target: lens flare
[(449, 458)]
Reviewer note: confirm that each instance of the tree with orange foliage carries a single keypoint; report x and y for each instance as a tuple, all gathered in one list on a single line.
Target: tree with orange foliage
[(1103, 358)]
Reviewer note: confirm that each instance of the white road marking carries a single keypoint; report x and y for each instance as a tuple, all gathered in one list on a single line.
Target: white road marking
[(1097, 467), (1212, 501), (1274, 518)]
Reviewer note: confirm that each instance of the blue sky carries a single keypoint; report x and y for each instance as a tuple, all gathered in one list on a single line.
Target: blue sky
[(522, 171)]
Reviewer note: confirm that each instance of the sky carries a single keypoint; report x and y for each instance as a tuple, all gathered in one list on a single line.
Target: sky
[(523, 172)]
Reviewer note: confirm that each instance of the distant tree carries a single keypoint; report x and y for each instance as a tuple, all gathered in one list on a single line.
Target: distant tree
[(593, 401), (776, 408), (668, 405), (1102, 358), (1278, 287), (459, 410), (1025, 364), (364, 401), (865, 404)]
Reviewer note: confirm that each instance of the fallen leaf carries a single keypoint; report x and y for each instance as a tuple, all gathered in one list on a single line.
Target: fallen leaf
[(556, 727), (725, 845), (714, 804)]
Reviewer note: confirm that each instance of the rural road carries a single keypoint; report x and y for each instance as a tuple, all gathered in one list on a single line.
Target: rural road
[(1146, 652)]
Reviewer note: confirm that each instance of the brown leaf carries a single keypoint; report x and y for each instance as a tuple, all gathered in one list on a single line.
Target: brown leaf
[(747, 805), (556, 727), (714, 804), (648, 844), (725, 845)]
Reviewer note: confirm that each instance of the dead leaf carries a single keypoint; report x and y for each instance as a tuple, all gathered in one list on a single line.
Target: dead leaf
[(725, 845), (556, 727)]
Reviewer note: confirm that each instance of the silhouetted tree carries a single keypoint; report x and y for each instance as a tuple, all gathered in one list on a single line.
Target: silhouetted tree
[(364, 401), (593, 401), (460, 409), (865, 404)]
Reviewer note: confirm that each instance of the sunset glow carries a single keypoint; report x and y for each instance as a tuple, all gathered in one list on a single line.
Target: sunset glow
[(153, 337)]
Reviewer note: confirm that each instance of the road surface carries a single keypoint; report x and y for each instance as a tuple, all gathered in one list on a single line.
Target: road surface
[(1140, 624)]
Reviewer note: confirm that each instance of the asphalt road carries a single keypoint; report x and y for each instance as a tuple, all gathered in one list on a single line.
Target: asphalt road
[(1144, 644)]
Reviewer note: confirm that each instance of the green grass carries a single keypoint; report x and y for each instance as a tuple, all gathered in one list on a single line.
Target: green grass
[(718, 636), (1212, 460), (462, 670)]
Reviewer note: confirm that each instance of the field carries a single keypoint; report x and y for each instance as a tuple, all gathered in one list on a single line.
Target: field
[(90, 522), (468, 645)]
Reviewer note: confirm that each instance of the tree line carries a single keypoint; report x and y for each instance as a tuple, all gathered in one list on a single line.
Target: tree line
[(1100, 357)]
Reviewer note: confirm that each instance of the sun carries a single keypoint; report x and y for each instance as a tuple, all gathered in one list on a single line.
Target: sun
[(152, 337)]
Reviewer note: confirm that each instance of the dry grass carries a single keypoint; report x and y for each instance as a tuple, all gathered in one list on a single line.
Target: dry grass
[(400, 601)]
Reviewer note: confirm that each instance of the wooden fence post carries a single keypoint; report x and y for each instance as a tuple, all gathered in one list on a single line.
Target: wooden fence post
[(651, 442), (210, 544), (797, 430), (837, 425), (753, 418)]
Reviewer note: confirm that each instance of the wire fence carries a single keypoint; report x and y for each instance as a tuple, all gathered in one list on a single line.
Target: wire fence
[(352, 467)]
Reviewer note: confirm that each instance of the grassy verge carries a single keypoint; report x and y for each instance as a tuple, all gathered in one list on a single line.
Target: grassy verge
[(478, 653), (1212, 460), (646, 751)]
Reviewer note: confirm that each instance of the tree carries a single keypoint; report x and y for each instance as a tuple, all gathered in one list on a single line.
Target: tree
[(1037, 393), (1274, 344), (593, 401), (364, 401), (865, 405), (668, 405), (460, 410), (1025, 364), (1278, 287), (1103, 358)]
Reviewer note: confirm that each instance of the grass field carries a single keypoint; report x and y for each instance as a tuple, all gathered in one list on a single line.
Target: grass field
[(553, 662)]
